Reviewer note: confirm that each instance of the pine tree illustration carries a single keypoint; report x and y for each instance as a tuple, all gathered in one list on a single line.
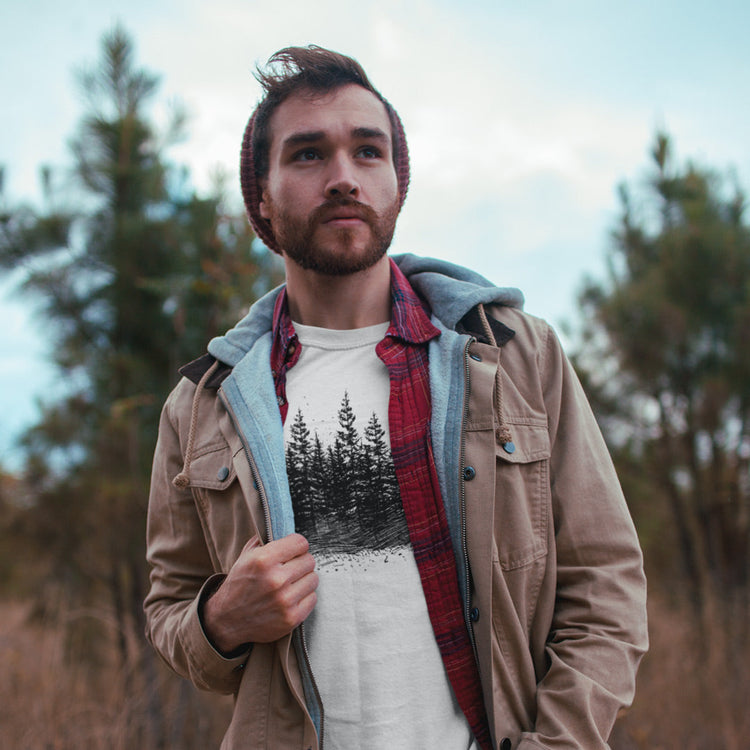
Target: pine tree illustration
[(385, 512), (320, 487), (298, 473), (347, 438), (345, 496), (377, 459), (346, 451)]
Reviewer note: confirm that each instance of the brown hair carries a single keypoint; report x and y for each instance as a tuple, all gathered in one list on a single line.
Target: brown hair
[(316, 70)]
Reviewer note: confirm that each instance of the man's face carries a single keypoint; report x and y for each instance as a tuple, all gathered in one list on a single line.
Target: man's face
[(331, 192)]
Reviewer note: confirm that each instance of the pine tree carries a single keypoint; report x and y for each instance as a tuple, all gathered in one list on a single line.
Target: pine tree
[(376, 475), (348, 457), (386, 516), (320, 487), (299, 471), (664, 357), (132, 278)]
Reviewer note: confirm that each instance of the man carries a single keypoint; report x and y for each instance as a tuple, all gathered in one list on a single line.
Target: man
[(382, 515)]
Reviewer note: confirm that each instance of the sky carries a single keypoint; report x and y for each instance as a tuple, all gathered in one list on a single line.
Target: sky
[(522, 120)]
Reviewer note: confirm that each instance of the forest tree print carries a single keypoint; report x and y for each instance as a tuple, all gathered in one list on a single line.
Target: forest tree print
[(345, 495)]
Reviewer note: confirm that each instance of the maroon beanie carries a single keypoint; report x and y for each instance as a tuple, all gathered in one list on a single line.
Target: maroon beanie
[(251, 191)]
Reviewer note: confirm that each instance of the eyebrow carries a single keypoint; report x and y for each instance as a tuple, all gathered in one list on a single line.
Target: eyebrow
[(373, 133), (295, 139), (315, 136)]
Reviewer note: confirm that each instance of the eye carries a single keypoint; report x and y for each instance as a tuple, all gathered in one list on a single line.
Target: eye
[(370, 152), (306, 154)]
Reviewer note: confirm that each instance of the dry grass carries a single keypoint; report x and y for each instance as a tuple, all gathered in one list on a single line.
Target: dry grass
[(693, 694), (693, 691), (50, 701)]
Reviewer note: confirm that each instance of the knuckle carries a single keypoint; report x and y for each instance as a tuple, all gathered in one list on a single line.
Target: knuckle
[(275, 580), (262, 556), (284, 599)]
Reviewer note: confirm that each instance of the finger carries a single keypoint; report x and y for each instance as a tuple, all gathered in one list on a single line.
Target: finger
[(273, 553), (300, 610), (298, 567), (303, 587), (251, 544), (285, 549), (293, 545), (306, 606)]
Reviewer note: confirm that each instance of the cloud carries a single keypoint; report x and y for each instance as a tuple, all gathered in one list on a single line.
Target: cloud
[(520, 123)]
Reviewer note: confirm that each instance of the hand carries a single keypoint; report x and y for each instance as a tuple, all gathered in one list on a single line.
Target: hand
[(268, 592)]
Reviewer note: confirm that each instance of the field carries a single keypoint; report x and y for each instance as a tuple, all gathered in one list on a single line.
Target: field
[(692, 695)]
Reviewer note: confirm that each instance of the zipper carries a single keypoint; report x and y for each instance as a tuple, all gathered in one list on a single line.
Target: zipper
[(269, 534), (462, 501), (318, 699)]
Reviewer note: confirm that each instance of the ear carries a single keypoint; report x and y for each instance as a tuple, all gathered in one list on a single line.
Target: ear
[(262, 207)]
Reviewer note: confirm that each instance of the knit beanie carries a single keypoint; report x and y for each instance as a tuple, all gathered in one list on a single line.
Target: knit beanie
[(251, 191)]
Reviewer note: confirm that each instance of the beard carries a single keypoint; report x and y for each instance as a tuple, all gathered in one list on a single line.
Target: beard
[(339, 256)]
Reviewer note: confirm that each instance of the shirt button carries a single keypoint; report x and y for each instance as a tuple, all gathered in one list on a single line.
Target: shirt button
[(222, 473), (469, 473), (474, 614), (281, 400)]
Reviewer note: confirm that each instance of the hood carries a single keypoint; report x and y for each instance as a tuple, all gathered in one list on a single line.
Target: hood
[(449, 289), (452, 290)]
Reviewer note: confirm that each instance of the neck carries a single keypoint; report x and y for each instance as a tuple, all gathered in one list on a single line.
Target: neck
[(356, 300)]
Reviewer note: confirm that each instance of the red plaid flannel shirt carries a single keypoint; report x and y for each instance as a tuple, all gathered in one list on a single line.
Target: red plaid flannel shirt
[(404, 353)]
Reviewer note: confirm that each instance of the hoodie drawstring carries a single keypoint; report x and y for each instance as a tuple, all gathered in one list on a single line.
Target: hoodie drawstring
[(182, 480), (502, 431)]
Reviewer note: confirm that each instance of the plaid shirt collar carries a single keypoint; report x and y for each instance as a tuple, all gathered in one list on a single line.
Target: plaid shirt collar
[(410, 322)]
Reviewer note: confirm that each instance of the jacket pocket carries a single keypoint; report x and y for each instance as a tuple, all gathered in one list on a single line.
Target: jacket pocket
[(223, 510), (522, 496)]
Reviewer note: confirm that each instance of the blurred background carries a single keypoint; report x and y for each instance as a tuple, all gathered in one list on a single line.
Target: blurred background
[(594, 155)]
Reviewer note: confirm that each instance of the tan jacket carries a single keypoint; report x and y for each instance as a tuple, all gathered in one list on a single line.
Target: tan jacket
[(556, 599)]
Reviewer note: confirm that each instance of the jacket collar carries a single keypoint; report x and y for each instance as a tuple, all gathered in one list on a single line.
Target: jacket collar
[(449, 291)]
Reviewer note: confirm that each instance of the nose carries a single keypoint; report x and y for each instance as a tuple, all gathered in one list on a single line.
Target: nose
[(342, 180)]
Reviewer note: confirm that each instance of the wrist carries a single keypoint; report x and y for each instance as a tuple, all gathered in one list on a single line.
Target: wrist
[(209, 614)]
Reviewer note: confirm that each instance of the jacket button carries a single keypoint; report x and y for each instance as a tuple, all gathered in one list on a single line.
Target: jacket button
[(222, 473), (509, 447), (505, 744), (469, 473), (474, 614), (476, 357)]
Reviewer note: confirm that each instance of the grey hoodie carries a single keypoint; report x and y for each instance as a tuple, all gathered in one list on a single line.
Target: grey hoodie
[(450, 290)]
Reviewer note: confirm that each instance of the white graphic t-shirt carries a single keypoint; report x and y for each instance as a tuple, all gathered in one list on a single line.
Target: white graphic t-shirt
[(372, 649)]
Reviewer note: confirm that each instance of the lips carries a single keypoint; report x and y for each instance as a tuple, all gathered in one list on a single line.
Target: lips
[(343, 214)]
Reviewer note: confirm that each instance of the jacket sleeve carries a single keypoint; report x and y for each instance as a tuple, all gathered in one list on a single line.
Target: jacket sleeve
[(598, 632), (182, 574)]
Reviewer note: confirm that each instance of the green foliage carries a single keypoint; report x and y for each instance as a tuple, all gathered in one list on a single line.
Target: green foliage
[(665, 359), (133, 273)]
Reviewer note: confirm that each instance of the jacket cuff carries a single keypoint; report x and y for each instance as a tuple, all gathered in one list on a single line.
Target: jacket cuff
[(198, 645)]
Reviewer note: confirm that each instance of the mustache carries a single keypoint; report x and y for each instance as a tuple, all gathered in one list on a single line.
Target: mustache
[(328, 209)]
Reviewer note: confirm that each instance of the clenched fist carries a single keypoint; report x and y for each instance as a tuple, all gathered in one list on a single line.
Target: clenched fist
[(268, 592)]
